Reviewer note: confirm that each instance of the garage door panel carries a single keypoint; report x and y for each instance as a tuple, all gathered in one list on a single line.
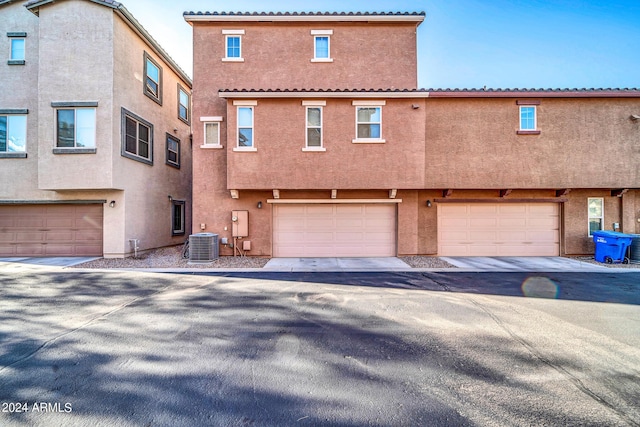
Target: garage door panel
[(330, 230), (52, 230), (520, 229)]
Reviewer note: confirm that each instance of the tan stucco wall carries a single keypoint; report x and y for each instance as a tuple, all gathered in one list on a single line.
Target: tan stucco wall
[(584, 143), (86, 52), (75, 65), (21, 93)]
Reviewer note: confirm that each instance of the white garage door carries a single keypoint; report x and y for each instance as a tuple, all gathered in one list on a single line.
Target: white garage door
[(498, 229), (334, 230)]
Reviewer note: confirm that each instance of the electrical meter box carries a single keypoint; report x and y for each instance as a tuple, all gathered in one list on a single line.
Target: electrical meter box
[(240, 223)]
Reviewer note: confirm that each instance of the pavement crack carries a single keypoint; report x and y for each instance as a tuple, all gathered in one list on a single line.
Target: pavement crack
[(558, 368)]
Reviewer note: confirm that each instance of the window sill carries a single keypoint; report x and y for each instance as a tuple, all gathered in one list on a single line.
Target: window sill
[(13, 155), (528, 132), (368, 141), (232, 59), (322, 60), (314, 149), (245, 149), (74, 151), (212, 146), (16, 62)]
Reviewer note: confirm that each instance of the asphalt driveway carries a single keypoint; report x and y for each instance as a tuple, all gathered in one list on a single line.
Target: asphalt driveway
[(130, 348)]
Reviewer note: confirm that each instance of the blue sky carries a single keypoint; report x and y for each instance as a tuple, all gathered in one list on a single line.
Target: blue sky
[(467, 43)]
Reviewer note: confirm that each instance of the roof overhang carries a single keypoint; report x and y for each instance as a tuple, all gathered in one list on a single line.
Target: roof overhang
[(132, 22), (310, 94), (415, 17)]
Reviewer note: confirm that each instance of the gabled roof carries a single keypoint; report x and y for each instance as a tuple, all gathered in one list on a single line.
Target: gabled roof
[(129, 19), (430, 93), (305, 16)]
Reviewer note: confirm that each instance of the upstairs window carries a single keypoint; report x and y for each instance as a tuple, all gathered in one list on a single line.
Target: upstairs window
[(184, 105), (596, 214), (13, 133), (137, 138), (368, 121), (75, 126), (173, 151), (17, 42), (245, 127), (321, 45), (153, 79), (528, 116), (313, 125), (233, 45)]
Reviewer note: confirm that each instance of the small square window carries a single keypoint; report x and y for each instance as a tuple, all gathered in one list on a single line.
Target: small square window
[(177, 217), (137, 138), (153, 79), (596, 214), (173, 151), (369, 123), (212, 134)]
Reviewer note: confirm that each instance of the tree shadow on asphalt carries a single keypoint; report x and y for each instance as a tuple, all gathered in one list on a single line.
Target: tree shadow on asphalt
[(600, 287), (149, 350)]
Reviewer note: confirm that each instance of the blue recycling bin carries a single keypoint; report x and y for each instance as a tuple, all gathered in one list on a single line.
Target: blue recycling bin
[(611, 246)]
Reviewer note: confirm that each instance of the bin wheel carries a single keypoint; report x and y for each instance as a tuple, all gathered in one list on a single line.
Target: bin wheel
[(608, 260), (625, 260)]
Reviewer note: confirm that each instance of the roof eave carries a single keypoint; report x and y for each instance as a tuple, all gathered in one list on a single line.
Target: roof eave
[(302, 18), (241, 94)]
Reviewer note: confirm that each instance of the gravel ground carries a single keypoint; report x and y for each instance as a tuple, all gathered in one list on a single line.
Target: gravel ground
[(591, 260), (426, 262), (171, 257)]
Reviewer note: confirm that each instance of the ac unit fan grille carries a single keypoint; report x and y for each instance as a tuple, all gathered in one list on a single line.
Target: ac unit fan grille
[(203, 247)]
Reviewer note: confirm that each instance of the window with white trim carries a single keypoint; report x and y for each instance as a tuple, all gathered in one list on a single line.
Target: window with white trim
[(596, 214), (314, 127), (211, 136), (13, 133), (321, 45), (528, 117), (245, 140), (233, 45), (137, 138), (153, 79), (369, 121), (76, 127)]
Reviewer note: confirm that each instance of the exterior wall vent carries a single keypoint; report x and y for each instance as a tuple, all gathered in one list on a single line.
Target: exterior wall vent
[(203, 247)]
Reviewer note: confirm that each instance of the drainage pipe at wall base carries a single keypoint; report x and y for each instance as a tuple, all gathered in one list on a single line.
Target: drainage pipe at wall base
[(134, 245)]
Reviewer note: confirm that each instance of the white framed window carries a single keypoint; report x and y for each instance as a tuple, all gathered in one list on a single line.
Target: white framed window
[(76, 128), (321, 45), (13, 133), (233, 45), (313, 125), (211, 132), (528, 117), (153, 79), (596, 214), (17, 48), (245, 125), (137, 138), (369, 121)]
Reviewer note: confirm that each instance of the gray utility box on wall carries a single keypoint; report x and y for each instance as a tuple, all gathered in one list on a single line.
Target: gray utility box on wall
[(203, 247)]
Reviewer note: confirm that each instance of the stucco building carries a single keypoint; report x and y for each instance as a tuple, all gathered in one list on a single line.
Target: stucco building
[(95, 148), (310, 129)]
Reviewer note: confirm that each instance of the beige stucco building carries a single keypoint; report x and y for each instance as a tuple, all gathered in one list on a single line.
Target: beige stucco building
[(95, 139), (310, 127)]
